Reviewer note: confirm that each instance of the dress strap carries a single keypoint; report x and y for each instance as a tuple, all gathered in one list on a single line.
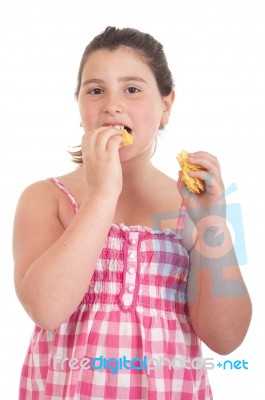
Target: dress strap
[(67, 192), (181, 216), (60, 186)]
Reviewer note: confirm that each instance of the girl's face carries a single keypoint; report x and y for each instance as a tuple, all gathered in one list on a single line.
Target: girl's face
[(118, 88)]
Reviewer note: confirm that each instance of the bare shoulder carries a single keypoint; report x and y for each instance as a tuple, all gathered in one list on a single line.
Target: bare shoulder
[(38, 202), (75, 182), (167, 187), (44, 198), (38, 194), (38, 223)]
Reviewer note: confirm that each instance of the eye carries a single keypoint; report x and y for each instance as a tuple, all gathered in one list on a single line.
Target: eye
[(132, 90), (95, 91)]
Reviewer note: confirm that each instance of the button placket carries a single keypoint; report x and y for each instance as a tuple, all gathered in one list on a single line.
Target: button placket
[(129, 282)]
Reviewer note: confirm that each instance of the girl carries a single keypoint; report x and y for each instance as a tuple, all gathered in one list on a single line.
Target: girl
[(107, 291)]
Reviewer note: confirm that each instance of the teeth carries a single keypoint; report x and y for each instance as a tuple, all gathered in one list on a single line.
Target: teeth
[(121, 127)]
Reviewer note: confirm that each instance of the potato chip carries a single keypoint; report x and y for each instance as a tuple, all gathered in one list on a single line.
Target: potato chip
[(127, 138), (195, 185)]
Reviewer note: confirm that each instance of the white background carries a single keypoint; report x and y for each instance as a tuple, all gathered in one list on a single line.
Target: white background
[(216, 51)]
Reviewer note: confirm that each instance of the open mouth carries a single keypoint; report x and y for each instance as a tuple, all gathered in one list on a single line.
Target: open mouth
[(128, 129)]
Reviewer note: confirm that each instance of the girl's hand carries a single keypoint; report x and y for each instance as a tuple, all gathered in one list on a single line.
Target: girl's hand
[(102, 166), (212, 198)]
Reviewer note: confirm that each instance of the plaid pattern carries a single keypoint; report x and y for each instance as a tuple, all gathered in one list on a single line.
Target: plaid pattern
[(134, 308)]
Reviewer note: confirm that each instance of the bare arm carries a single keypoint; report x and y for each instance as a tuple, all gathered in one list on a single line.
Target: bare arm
[(219, 304), (53, 266), (218, 301)]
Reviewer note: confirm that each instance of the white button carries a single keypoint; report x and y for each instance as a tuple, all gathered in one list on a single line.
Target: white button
[(133, 242), (130, 289), (131, 270), (126, 302), (132, 256)]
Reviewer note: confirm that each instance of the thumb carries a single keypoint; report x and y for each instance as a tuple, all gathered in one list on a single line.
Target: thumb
[(189, 199), (184, 192)]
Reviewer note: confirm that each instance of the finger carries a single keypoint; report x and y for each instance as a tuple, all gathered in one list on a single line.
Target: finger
[(188, 197), (213, 185), (113, 145), (204, 154), (205, 160), (180, 183), (105, 136), (206, 176), (96, 140), (90, 137)]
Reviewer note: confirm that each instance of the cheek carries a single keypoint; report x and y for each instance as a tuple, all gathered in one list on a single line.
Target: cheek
[(87, 115), (152, 117), (149, 113)]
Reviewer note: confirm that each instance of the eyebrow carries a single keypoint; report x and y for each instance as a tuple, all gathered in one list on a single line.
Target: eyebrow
[(122, 79)]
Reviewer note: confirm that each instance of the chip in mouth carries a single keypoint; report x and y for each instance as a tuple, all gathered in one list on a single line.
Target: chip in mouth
[(127, 137)]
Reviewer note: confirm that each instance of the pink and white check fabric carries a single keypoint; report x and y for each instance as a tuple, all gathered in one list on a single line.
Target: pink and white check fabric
[(134, 308)]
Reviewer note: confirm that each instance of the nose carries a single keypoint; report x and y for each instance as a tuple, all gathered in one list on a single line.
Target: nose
[(113, 104)]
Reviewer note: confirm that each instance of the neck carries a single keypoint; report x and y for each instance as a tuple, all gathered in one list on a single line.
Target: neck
[(136, 173)]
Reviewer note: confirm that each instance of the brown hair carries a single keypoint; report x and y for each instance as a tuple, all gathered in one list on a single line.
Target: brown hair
[(147, 47)]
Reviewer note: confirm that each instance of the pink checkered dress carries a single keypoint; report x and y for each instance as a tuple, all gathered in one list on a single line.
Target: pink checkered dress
[(131, 335)]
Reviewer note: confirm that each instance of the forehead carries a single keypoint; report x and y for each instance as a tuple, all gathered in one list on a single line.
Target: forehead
[(123, 59)]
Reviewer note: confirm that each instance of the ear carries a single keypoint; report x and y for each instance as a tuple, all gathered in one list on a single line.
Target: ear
[(167, 105)]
